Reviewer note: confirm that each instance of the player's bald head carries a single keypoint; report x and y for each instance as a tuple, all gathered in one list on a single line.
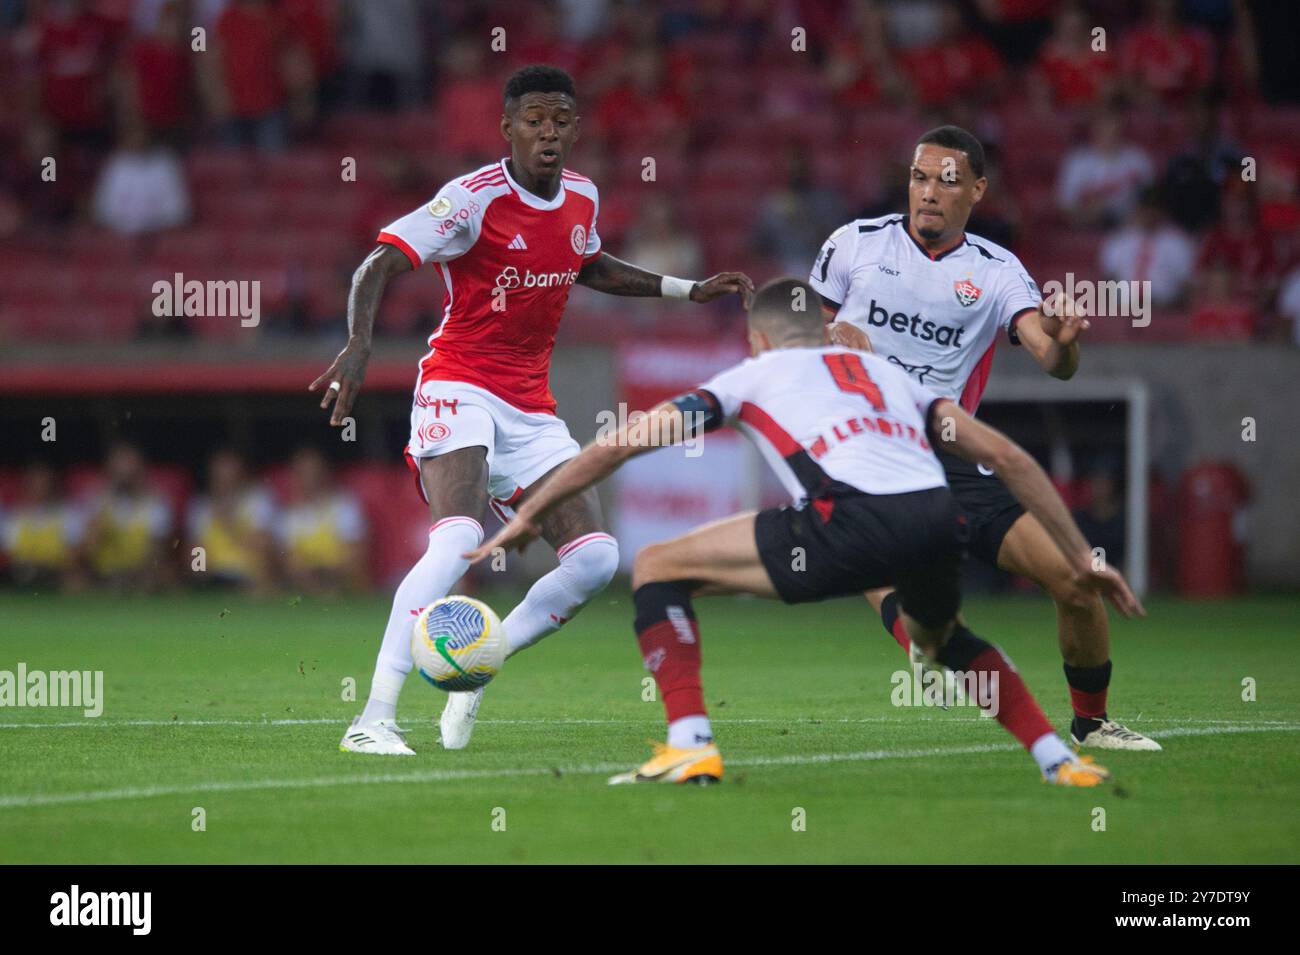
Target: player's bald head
[(788, 311)]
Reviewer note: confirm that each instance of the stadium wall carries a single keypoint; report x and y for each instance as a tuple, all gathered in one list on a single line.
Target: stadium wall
[(1200, 396)]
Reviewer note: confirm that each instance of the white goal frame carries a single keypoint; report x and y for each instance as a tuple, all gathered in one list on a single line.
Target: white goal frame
[(1137, 451)]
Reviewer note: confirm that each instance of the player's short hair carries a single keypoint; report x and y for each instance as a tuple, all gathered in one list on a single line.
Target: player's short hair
[(538, 78), (954, 137), (787, 309)]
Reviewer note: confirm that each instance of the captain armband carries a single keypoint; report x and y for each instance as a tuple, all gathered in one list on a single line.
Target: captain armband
[(700, 410)]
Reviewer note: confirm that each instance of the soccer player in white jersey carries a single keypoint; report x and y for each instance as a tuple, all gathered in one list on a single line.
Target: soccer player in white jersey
[(934, 300), (850, 436), (509, 241)]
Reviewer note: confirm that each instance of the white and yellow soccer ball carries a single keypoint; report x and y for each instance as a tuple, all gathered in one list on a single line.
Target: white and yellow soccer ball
[(458, 643)]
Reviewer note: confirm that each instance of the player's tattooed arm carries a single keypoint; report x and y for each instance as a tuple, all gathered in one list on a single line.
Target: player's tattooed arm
[(616, 277), (349, 368), (1051, 335), (955, 430)]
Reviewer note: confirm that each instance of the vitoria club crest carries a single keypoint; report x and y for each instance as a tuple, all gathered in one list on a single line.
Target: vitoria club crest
[(966, 291)]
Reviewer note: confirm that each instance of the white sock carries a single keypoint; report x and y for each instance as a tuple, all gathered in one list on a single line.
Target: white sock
[(689, 732), (587, 564), (432, 577), (1049, 750)]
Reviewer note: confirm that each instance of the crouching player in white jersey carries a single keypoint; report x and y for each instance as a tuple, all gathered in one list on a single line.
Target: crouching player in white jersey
[(849, 435), (934, 300), (509, 240)]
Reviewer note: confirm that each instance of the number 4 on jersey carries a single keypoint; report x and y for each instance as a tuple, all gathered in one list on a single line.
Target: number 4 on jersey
[(850, 375)]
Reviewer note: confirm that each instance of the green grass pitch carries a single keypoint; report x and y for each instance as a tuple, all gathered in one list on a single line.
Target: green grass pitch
[(235, 707)]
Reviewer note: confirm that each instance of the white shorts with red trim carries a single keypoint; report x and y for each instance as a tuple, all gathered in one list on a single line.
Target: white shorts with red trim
[(522, 446)]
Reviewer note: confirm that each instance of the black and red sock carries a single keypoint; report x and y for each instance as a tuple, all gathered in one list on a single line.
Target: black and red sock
[(670, 646), (893, 621), (1018, 711), (1088, 689)]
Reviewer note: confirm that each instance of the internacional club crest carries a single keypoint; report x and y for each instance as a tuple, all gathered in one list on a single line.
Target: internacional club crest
[(967, 292)]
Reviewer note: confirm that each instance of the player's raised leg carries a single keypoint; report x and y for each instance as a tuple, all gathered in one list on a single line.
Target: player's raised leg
[(455, 484), (1083, 632), (721, 557), (588, 560), (951, 643)]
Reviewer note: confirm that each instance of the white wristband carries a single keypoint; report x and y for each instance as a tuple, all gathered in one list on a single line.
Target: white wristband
[(670, 287)]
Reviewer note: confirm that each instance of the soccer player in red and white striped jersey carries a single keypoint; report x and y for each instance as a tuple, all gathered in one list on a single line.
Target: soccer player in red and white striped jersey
[(509, 240)]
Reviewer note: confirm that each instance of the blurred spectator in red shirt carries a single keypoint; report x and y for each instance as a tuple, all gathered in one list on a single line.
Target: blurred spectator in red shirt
[(469, 105), (642, 112), (1069, 72), (1164, 59), (156, 78), (861, 70), (74, 52), (1099, 181), (960, 64), (251, 42), (1238, 244), (1221, 312), (537, 39), (1278, 172), (312, 24)]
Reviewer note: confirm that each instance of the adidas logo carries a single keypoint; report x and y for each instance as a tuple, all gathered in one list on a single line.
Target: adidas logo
[(517, 242)]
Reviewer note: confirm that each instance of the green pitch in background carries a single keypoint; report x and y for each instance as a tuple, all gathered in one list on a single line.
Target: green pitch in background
[(218, 742)]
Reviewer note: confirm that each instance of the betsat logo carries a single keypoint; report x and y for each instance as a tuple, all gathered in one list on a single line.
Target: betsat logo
[(510, 278), (919, 328), (72, 908)]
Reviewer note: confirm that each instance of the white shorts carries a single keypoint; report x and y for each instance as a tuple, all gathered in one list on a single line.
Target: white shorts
[(522, 446)]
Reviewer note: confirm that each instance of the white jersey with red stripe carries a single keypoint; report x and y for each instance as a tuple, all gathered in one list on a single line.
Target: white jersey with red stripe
[(935, 316), (832, 414), (508, 259)]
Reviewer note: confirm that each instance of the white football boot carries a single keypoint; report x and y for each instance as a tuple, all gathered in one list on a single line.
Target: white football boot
[(380, 738), (456, 724), (952, 690), (1111, 735)]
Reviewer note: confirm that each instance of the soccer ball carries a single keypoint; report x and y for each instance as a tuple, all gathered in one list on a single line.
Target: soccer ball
[(458, 644)]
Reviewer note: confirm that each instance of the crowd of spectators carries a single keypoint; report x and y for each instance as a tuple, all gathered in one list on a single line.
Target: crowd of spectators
[(130, 527), (1151, 141)]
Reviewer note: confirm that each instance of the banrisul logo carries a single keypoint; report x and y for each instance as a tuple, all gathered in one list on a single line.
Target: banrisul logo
[(75, 907)]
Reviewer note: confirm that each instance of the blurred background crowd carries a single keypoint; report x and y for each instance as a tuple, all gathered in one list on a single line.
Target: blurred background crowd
[(1116, 131), (271, 139)]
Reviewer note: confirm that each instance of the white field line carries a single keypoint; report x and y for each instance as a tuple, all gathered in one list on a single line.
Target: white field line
[(92, 723), (31, 800)]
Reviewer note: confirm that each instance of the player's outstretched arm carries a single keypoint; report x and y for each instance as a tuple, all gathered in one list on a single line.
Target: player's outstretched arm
[(661, 427), (1051, 335), (616, 277), (975, 441), (349, 368)]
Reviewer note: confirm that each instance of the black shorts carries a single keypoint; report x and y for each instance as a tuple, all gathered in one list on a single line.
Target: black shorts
[(846, 544), (988, 504)]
